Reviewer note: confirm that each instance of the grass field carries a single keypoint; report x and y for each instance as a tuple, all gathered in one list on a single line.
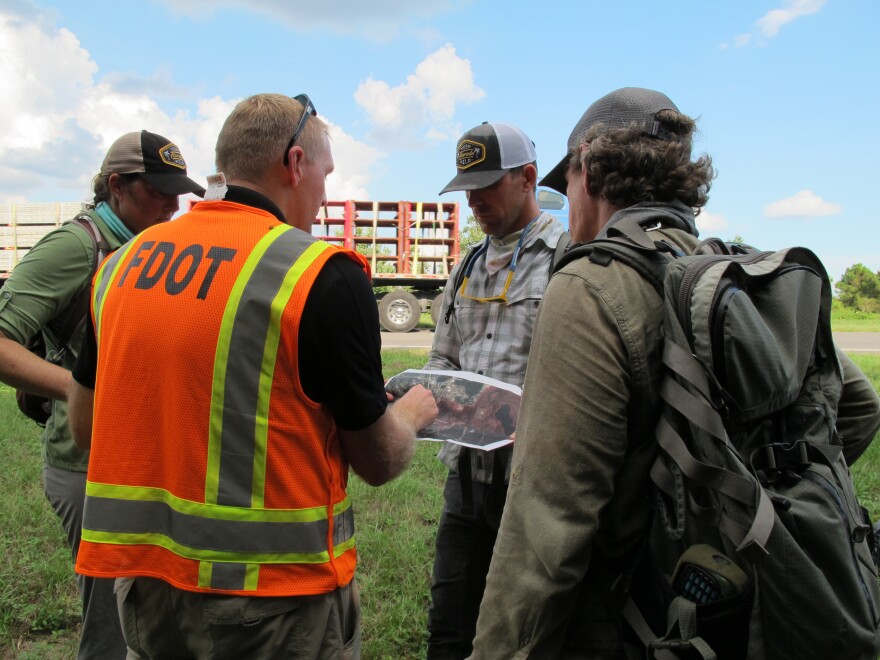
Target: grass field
[(396, 525), (39, 606), (855, 325), (848, 320)]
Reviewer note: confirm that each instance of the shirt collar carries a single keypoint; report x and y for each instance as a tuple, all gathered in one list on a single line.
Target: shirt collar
[(250, 197)]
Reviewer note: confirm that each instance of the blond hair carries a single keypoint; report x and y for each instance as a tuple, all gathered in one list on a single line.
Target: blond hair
[(255, 134)]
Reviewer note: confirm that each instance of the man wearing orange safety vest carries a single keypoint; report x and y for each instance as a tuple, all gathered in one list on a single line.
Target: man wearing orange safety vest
[(234, 373)]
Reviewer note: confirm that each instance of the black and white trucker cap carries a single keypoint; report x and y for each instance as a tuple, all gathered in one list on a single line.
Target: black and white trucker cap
[(485, 152)]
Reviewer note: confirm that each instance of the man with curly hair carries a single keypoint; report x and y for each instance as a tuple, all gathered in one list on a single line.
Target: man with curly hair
[(578, 504)]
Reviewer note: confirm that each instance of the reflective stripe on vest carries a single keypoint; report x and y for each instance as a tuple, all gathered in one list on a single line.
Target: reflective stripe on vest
[(231, 527), (106, 274), (207, 532), (243, 377)]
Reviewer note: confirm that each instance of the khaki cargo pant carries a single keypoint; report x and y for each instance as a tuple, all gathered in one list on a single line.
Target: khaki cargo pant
[(161, 621)]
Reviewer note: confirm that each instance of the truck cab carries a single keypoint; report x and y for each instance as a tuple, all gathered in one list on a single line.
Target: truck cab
[(554, 203)]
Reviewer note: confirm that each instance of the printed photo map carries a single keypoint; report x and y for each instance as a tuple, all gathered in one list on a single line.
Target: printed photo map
[(475, 411)]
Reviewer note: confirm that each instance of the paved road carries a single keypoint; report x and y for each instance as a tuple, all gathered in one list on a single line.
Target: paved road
[(858, 342), (421, 338), (851, 342)]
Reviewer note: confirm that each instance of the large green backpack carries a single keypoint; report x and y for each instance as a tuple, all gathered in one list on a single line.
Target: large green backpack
[(760, 548)]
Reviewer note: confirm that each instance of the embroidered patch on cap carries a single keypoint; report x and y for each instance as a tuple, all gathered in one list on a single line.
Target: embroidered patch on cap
[(170, 155), (469, 154)]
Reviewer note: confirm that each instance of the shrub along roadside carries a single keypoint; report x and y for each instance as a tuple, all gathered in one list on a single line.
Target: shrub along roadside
[(846, 319)]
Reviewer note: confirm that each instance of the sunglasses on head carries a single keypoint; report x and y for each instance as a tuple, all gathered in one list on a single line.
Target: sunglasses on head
[(308, 110)]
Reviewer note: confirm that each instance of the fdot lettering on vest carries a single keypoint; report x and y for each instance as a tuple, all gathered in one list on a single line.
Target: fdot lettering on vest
[(176, 267)]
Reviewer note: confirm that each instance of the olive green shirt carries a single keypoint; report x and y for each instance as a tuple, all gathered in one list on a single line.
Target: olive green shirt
[(38, 296), (579, 496)]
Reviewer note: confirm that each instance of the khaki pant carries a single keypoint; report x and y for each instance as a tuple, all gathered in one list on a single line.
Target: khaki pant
[(100, 637), (161, 621)]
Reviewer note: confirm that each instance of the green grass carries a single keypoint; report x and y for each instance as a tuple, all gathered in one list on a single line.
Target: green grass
[(396, 525), (37, 591), (395, 530), (866, 471), (855, 325), (844, 319), (39, 605)]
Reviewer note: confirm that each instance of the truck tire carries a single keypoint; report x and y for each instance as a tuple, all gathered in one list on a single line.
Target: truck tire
[(399, 311), (437, 309)]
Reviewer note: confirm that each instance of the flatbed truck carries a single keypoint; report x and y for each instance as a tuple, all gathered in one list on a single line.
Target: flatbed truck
[(411, 247)]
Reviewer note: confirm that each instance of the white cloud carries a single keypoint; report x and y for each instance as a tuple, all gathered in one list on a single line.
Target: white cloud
[(773, 20), (421, 109), (58, 121), (803, 204), (377, 19), (769, 24), (59, 118), (710, 223), (355, 162), (39, 73), (160, 84)]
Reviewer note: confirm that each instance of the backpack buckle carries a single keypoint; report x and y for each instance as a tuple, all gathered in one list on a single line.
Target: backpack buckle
[(860, 533), (782, 457)]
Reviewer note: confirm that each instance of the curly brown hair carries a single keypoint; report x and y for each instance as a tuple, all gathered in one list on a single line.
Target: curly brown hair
[(627, 166)]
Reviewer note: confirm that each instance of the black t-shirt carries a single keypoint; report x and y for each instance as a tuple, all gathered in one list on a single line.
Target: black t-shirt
[(339, 341)]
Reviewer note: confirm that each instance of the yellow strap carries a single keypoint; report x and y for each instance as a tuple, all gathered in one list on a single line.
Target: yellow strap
[(444, 255), (375, 231), (415, 260)]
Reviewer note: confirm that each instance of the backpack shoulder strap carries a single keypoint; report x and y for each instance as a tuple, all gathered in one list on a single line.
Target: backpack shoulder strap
[(629, 242), (649, 263), (472, 255), (562, 246), (80, 306), (99, 244)]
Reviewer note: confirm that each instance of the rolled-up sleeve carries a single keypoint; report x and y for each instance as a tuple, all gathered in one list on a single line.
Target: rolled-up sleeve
[(858, 413), (43, 284)]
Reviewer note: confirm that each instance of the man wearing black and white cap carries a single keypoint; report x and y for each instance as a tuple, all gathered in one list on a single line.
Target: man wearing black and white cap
[(138, 186), (490, 308), (579, 500)]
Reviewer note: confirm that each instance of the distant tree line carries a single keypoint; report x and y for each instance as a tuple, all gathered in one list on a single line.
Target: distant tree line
[(859, 289), (469, 235)]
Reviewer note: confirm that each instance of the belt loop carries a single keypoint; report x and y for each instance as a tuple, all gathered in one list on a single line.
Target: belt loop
[(498, 488), (465, 480)]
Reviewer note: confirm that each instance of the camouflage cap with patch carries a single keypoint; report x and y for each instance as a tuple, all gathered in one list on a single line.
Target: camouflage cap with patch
[(485, 152), (157, 159)]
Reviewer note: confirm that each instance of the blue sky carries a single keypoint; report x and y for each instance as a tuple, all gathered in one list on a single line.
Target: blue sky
[(786, 93)]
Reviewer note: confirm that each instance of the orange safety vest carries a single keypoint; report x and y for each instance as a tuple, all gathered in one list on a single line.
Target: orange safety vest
[(210, 467)]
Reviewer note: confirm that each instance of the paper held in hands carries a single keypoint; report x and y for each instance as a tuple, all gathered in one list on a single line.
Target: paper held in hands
[(475, 411)]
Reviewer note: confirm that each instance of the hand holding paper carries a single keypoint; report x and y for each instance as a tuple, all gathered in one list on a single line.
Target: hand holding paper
[(475, 411)]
